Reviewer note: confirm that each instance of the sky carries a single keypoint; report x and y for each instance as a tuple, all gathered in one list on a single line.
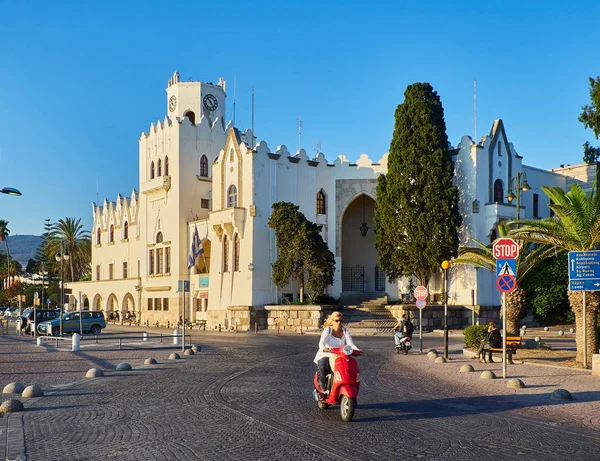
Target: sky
[(79, 84)]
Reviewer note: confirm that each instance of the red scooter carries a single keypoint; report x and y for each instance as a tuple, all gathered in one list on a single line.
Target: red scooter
[(343, 383)]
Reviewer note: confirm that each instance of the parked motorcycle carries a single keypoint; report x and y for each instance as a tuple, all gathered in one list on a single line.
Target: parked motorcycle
[(343, 383), (404, 346)]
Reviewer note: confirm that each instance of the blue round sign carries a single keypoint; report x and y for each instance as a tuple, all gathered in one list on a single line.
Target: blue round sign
[(421, 303)]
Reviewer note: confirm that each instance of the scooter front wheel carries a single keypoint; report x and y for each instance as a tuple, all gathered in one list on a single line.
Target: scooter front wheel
[(347, 406)]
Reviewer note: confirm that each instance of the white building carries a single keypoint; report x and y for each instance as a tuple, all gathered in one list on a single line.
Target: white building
[(198, 174)]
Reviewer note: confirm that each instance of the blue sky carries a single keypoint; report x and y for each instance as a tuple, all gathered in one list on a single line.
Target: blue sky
[(78, 84)]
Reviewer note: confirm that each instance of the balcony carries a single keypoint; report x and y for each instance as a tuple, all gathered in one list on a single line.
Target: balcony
[(228, 220), (160, 183)]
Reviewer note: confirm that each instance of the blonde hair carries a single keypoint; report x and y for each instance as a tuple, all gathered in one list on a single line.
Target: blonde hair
[(329, 322)]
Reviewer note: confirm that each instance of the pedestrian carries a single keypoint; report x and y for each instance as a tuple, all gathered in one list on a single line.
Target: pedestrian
[(493, 339)]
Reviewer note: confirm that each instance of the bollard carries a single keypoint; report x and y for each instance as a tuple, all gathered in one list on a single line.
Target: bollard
[(145, 336), (75, 342), (120, 343), (168, 324), (300, 326), (40, 341), (219, 328), (278, 329), (255, 328), (157, 324), (236, 327), (18, 323), (57, 343), (176, 337), (161, 337)]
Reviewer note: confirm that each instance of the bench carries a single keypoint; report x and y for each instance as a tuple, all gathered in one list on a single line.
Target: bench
[(512, 344)]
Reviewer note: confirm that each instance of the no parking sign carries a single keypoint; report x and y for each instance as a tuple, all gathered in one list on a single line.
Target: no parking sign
[(421, 303)]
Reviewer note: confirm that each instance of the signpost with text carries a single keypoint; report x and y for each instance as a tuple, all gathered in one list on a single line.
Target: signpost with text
[(506, 251)]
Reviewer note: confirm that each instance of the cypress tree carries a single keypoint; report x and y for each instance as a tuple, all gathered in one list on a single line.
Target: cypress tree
[(416, 211)]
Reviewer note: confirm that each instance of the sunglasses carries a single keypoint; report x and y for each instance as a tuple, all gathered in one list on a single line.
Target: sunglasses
[(337, 320)]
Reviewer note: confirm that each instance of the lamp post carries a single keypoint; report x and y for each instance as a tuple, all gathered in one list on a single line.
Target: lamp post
[(62, 257), (16, 193), (446, 266), (518, 184)]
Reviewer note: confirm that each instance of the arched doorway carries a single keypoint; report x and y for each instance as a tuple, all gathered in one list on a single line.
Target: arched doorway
[(97, 304), (86, 302), (112, 304), (360, 273), (128, 303)]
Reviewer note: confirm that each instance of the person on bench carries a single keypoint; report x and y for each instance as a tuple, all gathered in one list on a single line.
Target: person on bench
[(493, 340)]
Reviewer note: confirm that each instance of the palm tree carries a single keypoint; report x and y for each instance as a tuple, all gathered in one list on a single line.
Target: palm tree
[(529, 256), (575, 227), (4, 231), (69, 237)]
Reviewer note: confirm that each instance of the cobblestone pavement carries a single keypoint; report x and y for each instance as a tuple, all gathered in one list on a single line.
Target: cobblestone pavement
[(250, 397)]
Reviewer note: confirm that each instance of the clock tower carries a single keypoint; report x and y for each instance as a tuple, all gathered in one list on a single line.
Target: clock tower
[(196, 100)]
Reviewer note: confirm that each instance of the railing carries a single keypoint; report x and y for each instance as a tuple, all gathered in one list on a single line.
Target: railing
[(123, 339)]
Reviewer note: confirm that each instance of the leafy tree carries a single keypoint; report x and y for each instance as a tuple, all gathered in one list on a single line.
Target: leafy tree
[(70, 237), (590, 117), (530, 256), (302, 255), (416, 211), (547, 290), (575, 227), (41, 253), (31, 266)]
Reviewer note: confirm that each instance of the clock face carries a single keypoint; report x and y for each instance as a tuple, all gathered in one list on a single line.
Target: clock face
[(210, 102), (172, 103)]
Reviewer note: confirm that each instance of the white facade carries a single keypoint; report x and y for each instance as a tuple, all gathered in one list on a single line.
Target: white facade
[(198, 175)]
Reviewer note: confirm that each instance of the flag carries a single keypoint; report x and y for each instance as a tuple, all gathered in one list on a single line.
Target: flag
[(197, 248)]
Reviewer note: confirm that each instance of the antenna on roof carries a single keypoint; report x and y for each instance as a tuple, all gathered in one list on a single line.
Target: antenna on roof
[(234, 100), (299, 123), (252, 118), (317, 147), (97, 193), (475, 109)]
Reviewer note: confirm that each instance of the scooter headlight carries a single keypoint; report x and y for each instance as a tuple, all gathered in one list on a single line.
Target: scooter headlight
[(347, 349)]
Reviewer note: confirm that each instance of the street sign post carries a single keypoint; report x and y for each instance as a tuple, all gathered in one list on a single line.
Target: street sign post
[(421, 305), (584, 275), (506, 251)]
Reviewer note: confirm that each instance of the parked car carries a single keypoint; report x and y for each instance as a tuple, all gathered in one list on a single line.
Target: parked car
[(42, 315), (91, 322), (11, 312)]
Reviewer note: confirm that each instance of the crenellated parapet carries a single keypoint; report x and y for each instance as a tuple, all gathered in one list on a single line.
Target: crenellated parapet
[(123, 209)]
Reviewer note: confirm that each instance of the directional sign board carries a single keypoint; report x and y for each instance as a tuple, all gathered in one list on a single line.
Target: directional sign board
[(421, 292), (584, 270), (505, 248), (506, 267), (421, 303)]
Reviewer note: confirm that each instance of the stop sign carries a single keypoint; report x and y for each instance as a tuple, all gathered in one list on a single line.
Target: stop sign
[(505, 248), (421, 292)]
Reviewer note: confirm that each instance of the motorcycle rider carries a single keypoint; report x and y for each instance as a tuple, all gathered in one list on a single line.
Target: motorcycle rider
[(334, 335), (403, 328)]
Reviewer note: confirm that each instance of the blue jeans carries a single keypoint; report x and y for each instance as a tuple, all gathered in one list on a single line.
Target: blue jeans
[(398, 336)]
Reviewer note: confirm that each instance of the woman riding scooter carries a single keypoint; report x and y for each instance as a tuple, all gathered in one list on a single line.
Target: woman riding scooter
[(334, 335)]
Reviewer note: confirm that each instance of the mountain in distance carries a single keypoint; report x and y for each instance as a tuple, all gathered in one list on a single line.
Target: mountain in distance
[(22, 247)]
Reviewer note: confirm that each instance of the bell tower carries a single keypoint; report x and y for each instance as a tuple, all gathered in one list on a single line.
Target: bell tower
[(196, 100)]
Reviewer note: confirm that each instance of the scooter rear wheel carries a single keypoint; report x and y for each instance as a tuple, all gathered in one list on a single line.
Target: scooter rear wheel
[(406, 349), (347, 406)]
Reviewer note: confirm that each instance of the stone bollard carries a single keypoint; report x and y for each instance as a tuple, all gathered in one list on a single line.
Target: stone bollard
[(145, 336), (75, 339), (40, 341), (18, 324), (176, 337)]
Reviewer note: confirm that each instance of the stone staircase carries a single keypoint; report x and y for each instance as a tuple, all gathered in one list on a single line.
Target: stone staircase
[(369, 316)]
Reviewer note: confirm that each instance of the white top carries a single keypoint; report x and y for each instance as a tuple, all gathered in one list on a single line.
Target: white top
[(330, 341)]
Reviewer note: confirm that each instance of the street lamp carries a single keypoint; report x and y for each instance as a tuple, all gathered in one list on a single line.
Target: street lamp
[(518, 184), (446, 266), (62, 257), (11, 191)]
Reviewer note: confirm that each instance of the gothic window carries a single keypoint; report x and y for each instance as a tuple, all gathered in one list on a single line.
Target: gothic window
[(159, 261), (225, 254), (150, 304), (111, 235), (236, 253), (320, 202), (167, 260), (159, 168), (157, 304), (204, 166), (536, 205), (98, 237), (204, 203), (166, 166), (475, 206), (125, 269), (151, 262), (499, 149), (126, 230), (165, 304), (159, 237), (192, 116), (498, 192), (98, 272), (231, 155), (232, 197), (151, 170), (110, 271)]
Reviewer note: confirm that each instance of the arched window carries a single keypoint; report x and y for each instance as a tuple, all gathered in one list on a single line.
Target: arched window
[(236, 253), (320, 202), (499, 149), (231, 155), (151, 170), (225, 254), (126, 230), (232, 196), (166, 166), (189, 114), (159, 237), (498, 192), (159, 168), (111, 235), (204, 166), (98, 241)]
